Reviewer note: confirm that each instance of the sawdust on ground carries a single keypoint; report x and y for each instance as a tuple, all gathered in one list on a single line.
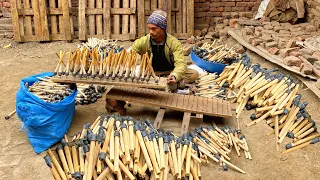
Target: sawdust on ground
[(18, 160)]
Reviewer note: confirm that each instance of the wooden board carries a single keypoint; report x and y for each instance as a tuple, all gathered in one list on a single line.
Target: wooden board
[(311, 85), (151, 84), (192, 104), (185, 122), (159, 118), (263, 53)]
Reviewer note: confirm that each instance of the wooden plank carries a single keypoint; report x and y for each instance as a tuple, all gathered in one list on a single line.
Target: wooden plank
[(141, 22), (106, 18), (82, 20), (116, 18), (91, 18), (311, 85), (71, 19), (30, 12), (263, 53), (190, 15), (27, 19), (184, 16), (53, 18), (15, 20), (43, 21), (36, 18), (169, 17), (125, 18), (113, 11), (66, 19), (147, 7), (153, 5), (151, 84), (60, 19), (133, 22), (185, 122), (179, 17), (99, 18), (159, 118)]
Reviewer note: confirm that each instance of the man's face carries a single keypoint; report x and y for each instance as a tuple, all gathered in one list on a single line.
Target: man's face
[(155, 31)]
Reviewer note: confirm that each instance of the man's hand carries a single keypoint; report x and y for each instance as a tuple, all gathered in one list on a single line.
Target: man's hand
[(171, 80)]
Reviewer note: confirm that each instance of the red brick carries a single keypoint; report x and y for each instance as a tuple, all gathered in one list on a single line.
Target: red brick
[(213, 9), (196, 10), (291, 43), (202, 1), (216, 4), (310, 28), (258, 33), (234, 15), (246, 31), (256, 42), (227, 9), (6, 4), (292, 61), (306, 69), (228, 4), (271, 45), (200, 14), (255, 8), (197, 5), (273, 51), (234, 8), (249, 38), (226, 15), (220, 9), (233, 22), (285, 52), (295, 53), (267, 27), (242, 14)]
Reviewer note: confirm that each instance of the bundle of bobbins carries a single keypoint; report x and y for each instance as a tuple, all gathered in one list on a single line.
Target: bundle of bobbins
[(216, 53), (116, 147), (206, 86), (110, 64), (50, 91), (275, 99), (88, 94)]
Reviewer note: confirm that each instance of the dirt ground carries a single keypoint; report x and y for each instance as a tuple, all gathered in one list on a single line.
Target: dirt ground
[(19, 161)]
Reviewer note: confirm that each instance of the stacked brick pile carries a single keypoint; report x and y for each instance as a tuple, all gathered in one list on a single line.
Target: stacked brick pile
[(280, 39), (313, 11), (5, 20)]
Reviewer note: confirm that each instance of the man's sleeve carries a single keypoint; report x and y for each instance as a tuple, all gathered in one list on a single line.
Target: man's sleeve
[(137, 46), (180, 64)]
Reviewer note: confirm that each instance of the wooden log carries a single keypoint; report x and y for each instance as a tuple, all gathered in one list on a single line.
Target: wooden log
[(17, 23)]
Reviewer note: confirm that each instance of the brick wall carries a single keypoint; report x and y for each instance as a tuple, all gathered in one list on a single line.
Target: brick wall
[(210, 12), (5, 20)]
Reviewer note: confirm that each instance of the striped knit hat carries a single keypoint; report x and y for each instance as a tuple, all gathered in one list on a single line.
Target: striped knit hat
[(158, 18)]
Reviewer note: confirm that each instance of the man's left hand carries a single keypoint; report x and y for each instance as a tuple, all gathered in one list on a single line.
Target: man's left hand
[(171, 80)]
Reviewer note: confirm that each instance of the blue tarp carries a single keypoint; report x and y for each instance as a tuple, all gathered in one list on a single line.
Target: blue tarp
[(46, 123)]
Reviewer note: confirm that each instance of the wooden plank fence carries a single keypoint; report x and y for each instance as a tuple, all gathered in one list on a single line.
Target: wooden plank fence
[(48, 20), (107, 19), (41, 20)]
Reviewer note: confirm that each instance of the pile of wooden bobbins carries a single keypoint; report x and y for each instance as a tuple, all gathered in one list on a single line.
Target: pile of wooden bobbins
[(216, 53), (110, 62), (116, 147), (275, 99), (49, 91)]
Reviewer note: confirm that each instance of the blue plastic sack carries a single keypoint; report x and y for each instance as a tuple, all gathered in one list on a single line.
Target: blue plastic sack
[(46, 123)]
